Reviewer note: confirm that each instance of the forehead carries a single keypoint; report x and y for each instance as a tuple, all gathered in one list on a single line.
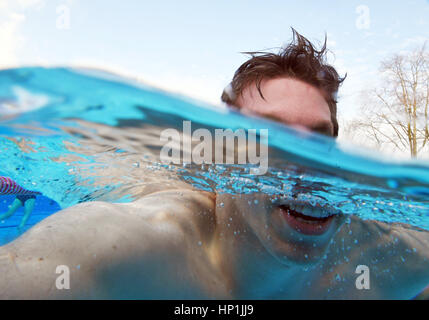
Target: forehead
[(287, 100)]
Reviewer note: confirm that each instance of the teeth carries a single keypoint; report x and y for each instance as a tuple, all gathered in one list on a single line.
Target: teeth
[(307, 211), (314, 211), (307, 221)]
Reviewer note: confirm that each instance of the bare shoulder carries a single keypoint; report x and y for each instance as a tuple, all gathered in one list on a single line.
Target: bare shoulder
[(371, 235), (191, 211), (98, 241), (396, 256), (94, 224)]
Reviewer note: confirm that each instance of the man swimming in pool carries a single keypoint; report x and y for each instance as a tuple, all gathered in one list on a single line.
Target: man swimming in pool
[(177, 242), (24, 198)]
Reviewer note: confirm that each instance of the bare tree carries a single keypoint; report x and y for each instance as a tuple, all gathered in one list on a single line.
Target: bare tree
[(396, 112)]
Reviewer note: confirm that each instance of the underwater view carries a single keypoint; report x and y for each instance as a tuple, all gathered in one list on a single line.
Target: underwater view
[(75, 136)]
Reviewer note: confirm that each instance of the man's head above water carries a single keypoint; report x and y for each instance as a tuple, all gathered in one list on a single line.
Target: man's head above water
[(295, 86)]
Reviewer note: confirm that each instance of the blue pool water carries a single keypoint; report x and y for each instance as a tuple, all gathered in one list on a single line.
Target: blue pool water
[(63, 131)]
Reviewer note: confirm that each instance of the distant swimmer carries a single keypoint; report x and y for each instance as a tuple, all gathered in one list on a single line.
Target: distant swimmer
[(24, 198)]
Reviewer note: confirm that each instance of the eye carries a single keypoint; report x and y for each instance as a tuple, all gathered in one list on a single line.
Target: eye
[(325, 129)]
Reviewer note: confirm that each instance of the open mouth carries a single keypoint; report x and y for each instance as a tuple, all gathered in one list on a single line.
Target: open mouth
[(308, 224)]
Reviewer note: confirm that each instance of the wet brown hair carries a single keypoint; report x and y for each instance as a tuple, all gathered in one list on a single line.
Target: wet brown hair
[(299, 60)]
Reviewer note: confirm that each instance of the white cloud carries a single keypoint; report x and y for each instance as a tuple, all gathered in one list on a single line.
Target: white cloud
[(413, 42), (10, 39), (12, 17), (27, 3), (200, 87)]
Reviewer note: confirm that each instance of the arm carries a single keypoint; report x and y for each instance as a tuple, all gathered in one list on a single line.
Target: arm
[(112, 250)]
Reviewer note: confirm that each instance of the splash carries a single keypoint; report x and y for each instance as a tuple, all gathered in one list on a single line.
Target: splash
[(83, 135)]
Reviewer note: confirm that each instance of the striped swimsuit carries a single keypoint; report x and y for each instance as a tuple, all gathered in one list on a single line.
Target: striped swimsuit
[(8, 187)]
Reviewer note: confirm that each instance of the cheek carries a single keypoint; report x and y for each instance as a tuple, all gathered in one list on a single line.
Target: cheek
[(256, 212)]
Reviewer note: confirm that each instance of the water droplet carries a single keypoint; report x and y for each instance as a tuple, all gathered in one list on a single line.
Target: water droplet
[(392, 183)]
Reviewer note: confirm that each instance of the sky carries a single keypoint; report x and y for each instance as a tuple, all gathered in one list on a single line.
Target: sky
[(194, 47)]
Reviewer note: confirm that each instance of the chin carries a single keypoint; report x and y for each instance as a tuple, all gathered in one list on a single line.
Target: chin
[(299, 234), (296, 254)]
